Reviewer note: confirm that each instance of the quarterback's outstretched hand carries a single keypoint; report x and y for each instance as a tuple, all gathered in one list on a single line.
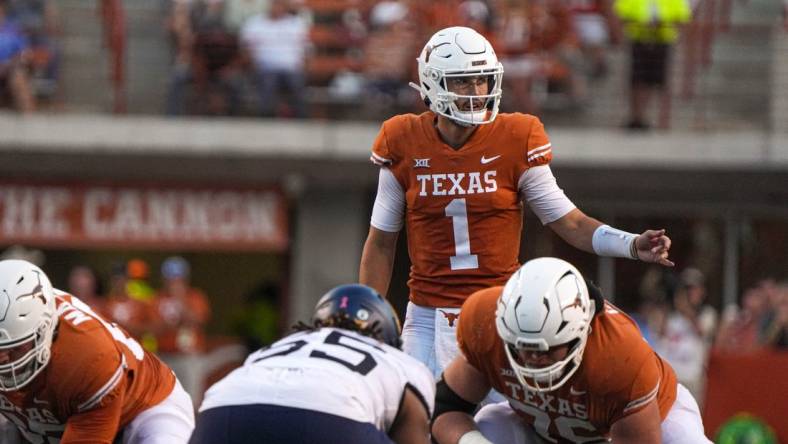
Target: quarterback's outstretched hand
[(654, 246)]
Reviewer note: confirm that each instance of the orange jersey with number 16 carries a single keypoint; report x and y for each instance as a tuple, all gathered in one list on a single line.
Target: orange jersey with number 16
[(464, 211), (618, 376)]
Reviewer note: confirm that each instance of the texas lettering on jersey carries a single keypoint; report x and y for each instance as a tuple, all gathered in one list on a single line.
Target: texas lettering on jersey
[(604, 389), (464, 210), (459, 184)]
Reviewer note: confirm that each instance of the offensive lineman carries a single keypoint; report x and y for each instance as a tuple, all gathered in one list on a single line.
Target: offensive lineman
[(573, 368)]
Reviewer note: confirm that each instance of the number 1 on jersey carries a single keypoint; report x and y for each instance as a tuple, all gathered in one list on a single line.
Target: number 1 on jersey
[(462, 259)]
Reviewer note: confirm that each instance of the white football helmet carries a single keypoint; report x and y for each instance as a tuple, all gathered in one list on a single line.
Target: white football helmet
[(459, 52), (544, 304), (28, 318)]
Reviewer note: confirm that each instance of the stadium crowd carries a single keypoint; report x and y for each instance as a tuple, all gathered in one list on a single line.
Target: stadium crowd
[(296, 58)]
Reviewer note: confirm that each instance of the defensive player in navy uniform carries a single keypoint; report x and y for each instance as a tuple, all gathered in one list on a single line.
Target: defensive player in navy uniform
[(342, 379)]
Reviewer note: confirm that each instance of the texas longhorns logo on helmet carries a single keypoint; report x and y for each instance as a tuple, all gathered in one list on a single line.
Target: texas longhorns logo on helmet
[(451, 317)]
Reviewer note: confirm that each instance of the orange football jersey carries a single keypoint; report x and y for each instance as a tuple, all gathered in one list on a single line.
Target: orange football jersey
[(97, 374), (619, 374), (464, 212)]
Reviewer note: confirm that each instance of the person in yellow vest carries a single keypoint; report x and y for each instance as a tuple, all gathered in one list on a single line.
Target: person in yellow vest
[(137, 286), (653, 27)]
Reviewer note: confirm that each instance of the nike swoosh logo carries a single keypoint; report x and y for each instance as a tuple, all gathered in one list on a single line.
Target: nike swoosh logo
[(574, 392), (39, 401), (486, 160)]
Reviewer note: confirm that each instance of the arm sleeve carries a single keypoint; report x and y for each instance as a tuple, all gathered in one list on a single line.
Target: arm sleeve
[(388, 213), (540, 190)]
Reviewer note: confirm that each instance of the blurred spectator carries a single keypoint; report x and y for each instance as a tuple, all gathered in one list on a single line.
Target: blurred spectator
[(688, 331), (276, 43), (181, 313), (541, 54), (137, 286), (517, 55), (209, 58), (741, 329), (775, 331), (652, 27), (390, 49), (132, 314), (38, 19), (689, 301), (83, 284), (237, 12), (596, 27), (14, 57), (181, 310)]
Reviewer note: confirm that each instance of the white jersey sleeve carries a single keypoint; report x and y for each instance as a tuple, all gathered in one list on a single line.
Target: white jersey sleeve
[(388, 213), (334, 371), (540, 190)]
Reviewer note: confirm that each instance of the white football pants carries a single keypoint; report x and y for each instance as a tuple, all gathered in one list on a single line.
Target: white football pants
[(500, 424), (169, 422)]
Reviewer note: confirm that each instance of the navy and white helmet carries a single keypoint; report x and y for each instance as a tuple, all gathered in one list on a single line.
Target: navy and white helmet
[(459, 52), (364, 307), (546, 303)]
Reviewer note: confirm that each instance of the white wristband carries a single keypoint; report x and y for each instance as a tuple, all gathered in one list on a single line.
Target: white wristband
[(474, 437), (609, 241)]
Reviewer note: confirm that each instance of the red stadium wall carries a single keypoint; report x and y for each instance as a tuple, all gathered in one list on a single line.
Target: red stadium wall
[(755, 383)]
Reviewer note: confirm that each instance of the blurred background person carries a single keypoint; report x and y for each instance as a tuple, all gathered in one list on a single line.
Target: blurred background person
[(181, 310), (776, 332), (742, 328), (39, 21), (237, 12), (131, 313), (14, 59), (137, 285), (85, 285), (652, 27), (597, 28), (276, 43), (389, 51), (180, 313), (688, 331), (209, 61), (689, 302)]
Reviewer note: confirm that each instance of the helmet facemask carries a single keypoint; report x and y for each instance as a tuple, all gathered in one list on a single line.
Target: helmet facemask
[(543, 306), (27, 358), (550, 377), (480, 109)]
